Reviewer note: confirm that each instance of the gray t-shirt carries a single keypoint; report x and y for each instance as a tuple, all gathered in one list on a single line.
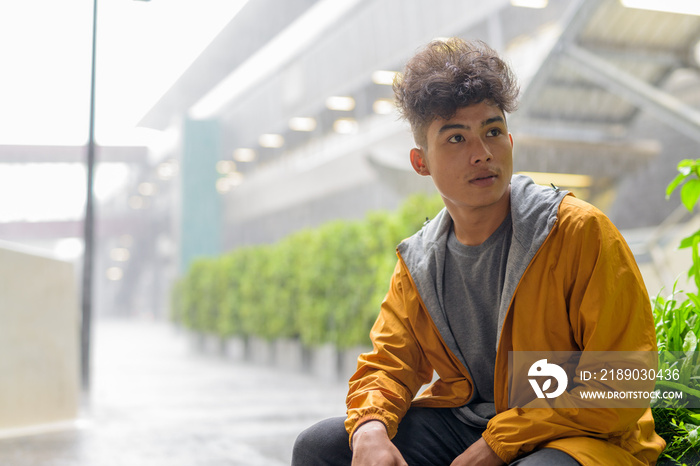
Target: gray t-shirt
[(473, 283)]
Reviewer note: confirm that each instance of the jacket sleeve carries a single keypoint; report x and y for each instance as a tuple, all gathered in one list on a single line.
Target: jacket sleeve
[(609, 310), (389, 377)]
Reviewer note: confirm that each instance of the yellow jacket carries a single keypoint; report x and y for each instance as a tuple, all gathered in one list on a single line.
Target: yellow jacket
[(571, 285)]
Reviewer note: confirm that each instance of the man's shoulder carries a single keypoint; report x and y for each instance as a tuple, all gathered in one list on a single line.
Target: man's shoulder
[(576, 215), (575, 208)]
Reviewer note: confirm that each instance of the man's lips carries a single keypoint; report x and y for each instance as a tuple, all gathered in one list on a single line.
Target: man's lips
[(483, 176), (484, 179)]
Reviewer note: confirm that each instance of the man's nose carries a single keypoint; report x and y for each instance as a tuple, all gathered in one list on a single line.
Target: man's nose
[(479, 152)]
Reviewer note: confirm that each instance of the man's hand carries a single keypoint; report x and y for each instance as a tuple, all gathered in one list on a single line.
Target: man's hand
[(479, 453), (371, 447)]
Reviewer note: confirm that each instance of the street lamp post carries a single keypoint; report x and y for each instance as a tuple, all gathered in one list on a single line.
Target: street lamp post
[(89, 227)]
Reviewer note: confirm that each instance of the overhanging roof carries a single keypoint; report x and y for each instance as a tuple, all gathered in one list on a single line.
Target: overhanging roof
[(256, 24), (609, 63)]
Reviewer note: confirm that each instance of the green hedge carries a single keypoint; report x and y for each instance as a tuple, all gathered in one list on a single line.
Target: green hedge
[(320, 285)]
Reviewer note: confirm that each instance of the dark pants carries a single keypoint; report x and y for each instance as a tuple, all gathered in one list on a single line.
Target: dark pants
[(426, 437)]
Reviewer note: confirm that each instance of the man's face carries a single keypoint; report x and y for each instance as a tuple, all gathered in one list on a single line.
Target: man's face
[(470, 158)]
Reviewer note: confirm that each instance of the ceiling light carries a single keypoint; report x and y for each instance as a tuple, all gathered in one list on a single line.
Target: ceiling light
[(272, 141), (147, 189), (383, 106), (244, 155), (114, 273), (222, 186), (225, 166), (684, 7), (530, 3), (119, 254), (302, 124), (384, 77), (341, 103), (233, 179), (560, 179), (167, 170), (345, 126)]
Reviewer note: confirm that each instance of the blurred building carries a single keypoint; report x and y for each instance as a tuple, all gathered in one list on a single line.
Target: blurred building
[(286, 121)]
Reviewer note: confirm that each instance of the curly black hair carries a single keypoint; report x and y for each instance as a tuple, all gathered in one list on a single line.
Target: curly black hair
[(448, 75)]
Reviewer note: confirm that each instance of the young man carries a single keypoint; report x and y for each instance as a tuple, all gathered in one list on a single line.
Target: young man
[(507, 266)]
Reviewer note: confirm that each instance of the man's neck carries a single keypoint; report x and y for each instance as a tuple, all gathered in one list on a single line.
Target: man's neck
[(474, 226)]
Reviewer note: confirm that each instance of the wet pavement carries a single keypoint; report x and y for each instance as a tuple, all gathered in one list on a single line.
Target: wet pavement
[(157, 401)]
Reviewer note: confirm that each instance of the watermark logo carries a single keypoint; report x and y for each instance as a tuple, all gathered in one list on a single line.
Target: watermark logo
[(541, 369), (603, 379)]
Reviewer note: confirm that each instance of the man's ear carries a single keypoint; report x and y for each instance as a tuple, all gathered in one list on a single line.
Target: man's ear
[(418, 161)]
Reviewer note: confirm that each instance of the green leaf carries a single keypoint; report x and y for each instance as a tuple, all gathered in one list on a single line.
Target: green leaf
[(696, 261), (687, 166), (695, 299), (678, 386), (690, 194), (688, 241), (675, 334), (680, 178), (668, 356), (690, 342)]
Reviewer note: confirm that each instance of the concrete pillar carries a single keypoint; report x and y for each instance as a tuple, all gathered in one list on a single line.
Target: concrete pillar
[(200, 219)]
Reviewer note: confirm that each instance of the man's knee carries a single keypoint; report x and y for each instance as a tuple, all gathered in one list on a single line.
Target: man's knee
[(323, 443), (305, 442), (546, 457)]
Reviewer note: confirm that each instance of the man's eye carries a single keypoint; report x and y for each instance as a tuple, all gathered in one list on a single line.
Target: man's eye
[(456, 138), (494, 132)]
